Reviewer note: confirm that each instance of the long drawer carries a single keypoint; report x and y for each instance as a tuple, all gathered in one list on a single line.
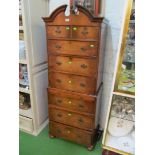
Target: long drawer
[(72, 101), (73, 65), (81, 48), (81, 84), (77, 32), (71, 118), (70, 133)]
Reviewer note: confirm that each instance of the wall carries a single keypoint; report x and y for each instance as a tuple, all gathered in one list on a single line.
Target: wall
[(114, 11), (53, 4)]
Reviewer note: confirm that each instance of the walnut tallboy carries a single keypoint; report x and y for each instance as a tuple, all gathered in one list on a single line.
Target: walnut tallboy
[(75, 70)]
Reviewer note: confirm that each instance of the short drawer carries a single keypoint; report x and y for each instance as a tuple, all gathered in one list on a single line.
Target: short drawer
[(80, 48), (71, 118), (72, 101), (73, 65), (83, 32), (58, 31), (26, 124), (71, 133), (81, 84)]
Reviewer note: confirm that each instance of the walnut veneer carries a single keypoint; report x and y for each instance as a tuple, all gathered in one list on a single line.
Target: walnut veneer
[(75, 61)]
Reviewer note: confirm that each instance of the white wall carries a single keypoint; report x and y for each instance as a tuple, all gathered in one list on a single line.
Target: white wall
[(114, 11), (53, 4)]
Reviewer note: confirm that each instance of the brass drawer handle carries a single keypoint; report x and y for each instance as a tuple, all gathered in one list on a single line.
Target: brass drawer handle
[(59, 115), (70, 82), (58, 30), (59, 101), (80, 120), (69, 102), (68, 131), (92, 45), (69, 62), (82, 85), (67, 28), (84, 32), (83, 49), (81, 106), (57, 46), (69, 114), (58, 80), (83, 66), (58, 63), (74, 28)]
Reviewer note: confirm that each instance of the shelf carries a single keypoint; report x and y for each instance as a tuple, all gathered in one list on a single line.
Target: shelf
[(116, 144), (22, 82), (28, 119), (130, 41), (124, 94), (26, 113), (21, 28), (24, 90), (123, 118), (126, 80), (129, 61), (132, 21), (20, 13), (23, 61)]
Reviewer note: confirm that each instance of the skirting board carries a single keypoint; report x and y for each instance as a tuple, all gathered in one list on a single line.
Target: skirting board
[(35, 133), (41, 127)]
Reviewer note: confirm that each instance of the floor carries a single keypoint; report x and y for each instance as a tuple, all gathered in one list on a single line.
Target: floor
[(43, 145)]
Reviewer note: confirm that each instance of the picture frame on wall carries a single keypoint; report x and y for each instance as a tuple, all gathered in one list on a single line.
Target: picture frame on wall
[(91, 5)]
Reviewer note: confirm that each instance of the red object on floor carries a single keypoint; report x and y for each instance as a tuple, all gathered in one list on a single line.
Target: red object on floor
[(106, 152)]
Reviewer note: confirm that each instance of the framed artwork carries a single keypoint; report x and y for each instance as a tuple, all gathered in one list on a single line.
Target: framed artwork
[(91, 5)]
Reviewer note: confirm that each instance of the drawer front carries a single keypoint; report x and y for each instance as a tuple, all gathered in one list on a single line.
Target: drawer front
[(71, 133), (58, 31), (73, 65), (71, 118), (25, 124), (71, 82), (82, 32), (73, 47), (71, 102)]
